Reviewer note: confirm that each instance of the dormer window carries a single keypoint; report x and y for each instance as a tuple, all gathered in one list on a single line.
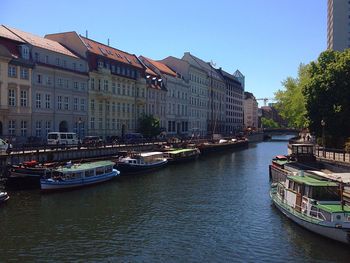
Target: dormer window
[(25, 52), (100, 64)]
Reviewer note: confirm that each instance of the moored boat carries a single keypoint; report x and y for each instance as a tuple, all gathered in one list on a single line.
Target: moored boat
[(78, 175), (315, 204), (181, 155), (141, 162), (4, 197), (26, 175)]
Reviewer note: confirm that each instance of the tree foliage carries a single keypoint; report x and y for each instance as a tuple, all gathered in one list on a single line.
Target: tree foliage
[(269, 123), (149, 126), (291, 101), (327, 95)]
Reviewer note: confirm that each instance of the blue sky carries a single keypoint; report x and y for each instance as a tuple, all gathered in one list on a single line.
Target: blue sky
[(265, 39)]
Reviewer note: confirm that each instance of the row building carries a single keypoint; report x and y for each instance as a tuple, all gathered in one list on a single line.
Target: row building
[(71, 83)]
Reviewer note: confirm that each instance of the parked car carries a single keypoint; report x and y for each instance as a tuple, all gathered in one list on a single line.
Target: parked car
[(92, 141)]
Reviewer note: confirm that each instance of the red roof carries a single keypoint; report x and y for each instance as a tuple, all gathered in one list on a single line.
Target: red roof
[(111, 53), (41, 42), (150, 71), (161, 67), (4, 32)]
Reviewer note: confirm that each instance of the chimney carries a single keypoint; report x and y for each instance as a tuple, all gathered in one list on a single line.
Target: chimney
[(108, 42), (86, 34)]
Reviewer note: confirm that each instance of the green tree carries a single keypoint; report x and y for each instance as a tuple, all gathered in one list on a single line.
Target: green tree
[(291, 101), (149, 126), (327, 96), (269, 123)]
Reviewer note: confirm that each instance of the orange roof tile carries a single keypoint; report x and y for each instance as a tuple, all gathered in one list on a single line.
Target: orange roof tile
[(5, 33), (161, 67), (41, 42), (110, 52)]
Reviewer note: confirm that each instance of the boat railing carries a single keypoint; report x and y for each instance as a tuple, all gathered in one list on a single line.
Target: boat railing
[(314, 214)]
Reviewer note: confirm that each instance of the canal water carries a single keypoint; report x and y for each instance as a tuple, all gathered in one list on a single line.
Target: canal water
[(216, 209)]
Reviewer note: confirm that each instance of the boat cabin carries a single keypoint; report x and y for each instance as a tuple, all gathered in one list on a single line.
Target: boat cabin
[(303, 152), (315, 198)]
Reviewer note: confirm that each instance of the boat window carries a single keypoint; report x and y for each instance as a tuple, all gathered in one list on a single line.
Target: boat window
[(325, 193), (109, 169), (74, 175), (100, 171), (52, 136), (89, 173)]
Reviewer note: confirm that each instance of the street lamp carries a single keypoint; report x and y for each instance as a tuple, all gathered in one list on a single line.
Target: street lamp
[(323, 124), (79, 123)]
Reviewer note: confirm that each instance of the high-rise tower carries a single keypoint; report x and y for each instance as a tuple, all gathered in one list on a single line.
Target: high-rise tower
[(338, 24)]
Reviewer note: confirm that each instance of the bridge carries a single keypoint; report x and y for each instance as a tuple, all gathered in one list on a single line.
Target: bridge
[(271, 132)]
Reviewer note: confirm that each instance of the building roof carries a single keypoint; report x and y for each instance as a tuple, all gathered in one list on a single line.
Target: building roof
[(5, 33), (229, 76), (110, 52), (160, 66), (249, 95), (40, 42), (211, 71), (10, 47)]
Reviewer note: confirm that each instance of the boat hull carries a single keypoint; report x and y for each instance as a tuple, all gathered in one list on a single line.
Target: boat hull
[(338, 234), (22, 182), (126, 168), (182, 159), (55, 185)]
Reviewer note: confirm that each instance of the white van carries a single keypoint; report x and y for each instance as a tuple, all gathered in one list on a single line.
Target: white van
[(62, 138), (4, 146)]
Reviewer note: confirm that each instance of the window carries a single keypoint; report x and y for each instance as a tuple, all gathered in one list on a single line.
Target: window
[(66, 103), (59, 102), (60, 82), (47, 127), (113, 88), (24, 98), (47, 59), (113, 106), (48, 80), (12, 71), (57, 61), (25, 52), (12, 127), (38, 100), (82, 104), (107, 106), (75, 104), (92, 105), (74, 66), (38, 128), (23, 128), (100, 123), (36, 56), (47, 101), (75, 85), (100, 107), (39, 79), (92, 123), (24, 73), (92, 84), (105, 85), (12, 97), (82, 86)]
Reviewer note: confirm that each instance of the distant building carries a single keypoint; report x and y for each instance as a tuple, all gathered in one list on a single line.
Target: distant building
[(234, 103), (117, 88), (173, 106), (198, 99), (216, 93), (338, 24), (250, 111), (56, 100)]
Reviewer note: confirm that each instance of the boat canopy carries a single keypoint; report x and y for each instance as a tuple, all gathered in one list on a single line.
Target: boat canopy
[(310, 181), (177, 151), (84, 166)]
